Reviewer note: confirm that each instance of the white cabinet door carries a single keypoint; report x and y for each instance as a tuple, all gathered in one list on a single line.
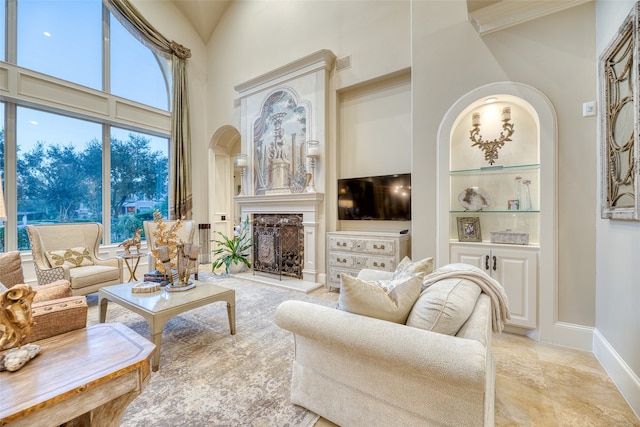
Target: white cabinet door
[(514, 268)]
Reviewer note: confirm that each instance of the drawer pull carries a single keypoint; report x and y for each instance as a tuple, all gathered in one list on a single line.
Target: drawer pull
[(376, 247), (375, 264), (343, 244), (343, 260)]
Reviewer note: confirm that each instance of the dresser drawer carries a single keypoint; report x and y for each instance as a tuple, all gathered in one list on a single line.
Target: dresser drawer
[(386, 247), (340, 243), (343, 260), (380, 263)]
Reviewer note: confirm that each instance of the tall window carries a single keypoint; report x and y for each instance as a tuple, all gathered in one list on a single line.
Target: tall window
[(76, 156), (139, 180)]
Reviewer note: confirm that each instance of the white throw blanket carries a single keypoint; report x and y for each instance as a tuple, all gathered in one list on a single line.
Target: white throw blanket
[(488, 285)]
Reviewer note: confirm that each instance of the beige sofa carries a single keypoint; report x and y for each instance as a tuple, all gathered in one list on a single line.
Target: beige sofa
[(356, 370), (70, 252)]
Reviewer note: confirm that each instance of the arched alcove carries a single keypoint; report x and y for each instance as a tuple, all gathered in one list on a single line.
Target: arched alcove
[(222, 179), (535, 115)]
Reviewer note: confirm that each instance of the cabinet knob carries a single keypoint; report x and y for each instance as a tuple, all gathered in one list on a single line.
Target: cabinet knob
[(343, 260), (375, 264), (342, 244), (376, 247)]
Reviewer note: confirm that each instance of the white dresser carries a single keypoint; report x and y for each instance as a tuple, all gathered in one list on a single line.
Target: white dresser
[(351, 251)]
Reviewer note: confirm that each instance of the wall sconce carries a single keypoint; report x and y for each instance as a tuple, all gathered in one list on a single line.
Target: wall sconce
[(313, 154), (491, 148), (241, 162)]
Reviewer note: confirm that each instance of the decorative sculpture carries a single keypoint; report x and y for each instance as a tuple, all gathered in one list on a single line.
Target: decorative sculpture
[(491, 148), (16, 318), (134, 241), (186, 261), (165, 235)]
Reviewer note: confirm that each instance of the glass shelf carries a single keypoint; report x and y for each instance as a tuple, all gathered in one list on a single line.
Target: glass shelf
[(495, 169), (493, 212)]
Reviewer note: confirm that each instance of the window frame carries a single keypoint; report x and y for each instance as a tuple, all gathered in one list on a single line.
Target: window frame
[(32, 89)]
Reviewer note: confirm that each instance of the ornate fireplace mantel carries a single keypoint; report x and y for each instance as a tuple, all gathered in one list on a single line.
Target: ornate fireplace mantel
[(307, 204)]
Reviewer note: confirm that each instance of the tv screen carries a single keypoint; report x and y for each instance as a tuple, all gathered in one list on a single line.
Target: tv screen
[(385, 197)]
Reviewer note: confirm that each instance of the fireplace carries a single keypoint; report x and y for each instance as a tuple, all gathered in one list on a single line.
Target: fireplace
[(278, 244), (305, 208)]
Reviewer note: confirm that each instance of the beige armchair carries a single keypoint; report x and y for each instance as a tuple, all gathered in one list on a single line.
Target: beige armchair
[(184, 233), (70, 252)]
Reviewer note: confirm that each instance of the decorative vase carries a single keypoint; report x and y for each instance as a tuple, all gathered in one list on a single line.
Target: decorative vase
[(236, 267)]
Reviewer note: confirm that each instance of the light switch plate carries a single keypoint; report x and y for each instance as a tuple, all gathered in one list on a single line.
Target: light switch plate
[(588, 109)]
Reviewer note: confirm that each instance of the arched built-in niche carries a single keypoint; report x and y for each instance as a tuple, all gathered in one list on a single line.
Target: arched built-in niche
[(534, 110), (222, 179)]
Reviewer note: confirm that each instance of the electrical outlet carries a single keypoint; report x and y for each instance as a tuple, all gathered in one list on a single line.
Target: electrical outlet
[(223, 217), (588, 109)]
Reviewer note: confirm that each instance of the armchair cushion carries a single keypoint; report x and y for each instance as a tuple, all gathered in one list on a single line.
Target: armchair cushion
[(74, 257), (382, 299)]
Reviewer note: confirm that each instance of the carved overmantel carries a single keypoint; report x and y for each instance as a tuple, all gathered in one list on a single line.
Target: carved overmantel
[(307, 204)]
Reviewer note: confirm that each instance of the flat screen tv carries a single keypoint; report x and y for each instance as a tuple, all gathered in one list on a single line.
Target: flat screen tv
[(386, 197)]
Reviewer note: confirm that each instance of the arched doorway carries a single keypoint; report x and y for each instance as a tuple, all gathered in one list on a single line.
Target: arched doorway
[(222, 179)]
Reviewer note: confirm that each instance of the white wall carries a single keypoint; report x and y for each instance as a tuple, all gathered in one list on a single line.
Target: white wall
[(553, 54), (617, 342)]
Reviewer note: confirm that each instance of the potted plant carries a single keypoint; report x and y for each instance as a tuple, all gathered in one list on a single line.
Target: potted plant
[(233, 253)]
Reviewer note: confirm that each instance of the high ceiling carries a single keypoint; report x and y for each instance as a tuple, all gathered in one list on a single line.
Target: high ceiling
[(486, 15), (203, 14)]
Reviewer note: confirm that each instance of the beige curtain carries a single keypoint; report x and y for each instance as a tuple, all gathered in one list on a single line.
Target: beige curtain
[(180, 179)]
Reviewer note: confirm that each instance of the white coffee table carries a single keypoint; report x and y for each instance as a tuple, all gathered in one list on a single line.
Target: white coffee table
[(159, 307)]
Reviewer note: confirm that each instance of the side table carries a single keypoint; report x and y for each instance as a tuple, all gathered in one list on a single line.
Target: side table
[(132, 265)]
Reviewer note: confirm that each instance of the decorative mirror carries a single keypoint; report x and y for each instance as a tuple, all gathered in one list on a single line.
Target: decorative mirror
[(618, 69)]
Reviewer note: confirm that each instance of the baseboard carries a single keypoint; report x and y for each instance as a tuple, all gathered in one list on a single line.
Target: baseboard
[(574, 336), (622, 376)]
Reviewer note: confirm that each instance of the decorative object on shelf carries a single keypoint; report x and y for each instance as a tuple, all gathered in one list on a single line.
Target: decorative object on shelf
[(134, 241), (241, 163), (526, 204), (510, 237), (620, 148), (233, 251), (491, 148), (167, 236), (313, 154), (513, 205), (469, 229), (474, 199), (518, 180)]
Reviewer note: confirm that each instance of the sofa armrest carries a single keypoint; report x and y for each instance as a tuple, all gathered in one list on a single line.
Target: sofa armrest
[(451, 360), (371, 274), (109, 262)]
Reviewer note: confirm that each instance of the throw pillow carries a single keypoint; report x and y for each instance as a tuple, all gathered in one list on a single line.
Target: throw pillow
[(444, 306), (408, 267), (74, 257), (11, 269), (52, 291), (383, 299)]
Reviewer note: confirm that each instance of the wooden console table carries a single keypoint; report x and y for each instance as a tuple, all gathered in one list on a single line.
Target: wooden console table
[(86, 377)]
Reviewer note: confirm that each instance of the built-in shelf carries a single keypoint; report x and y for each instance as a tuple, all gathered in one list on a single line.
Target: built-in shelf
[(495, 169)]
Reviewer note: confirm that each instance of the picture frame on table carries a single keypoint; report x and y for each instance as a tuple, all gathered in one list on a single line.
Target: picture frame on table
[(469, 229)]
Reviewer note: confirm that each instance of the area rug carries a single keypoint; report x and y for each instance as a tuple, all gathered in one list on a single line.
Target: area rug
[(208, 377)]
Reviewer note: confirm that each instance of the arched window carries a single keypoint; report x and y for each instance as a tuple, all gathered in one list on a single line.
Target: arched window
[(85, 135)]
